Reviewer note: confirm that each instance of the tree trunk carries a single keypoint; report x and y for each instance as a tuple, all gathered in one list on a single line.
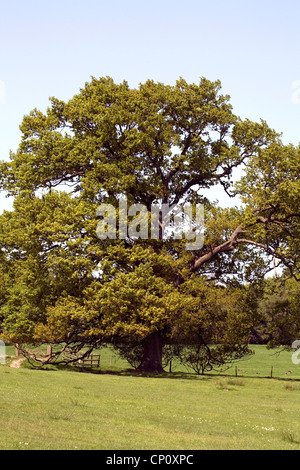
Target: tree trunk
[(152, 357)]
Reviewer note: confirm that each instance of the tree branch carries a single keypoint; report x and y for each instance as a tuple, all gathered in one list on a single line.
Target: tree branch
[(229, 245)]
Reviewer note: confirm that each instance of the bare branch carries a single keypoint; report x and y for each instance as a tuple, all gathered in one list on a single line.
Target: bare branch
[(227, 246)]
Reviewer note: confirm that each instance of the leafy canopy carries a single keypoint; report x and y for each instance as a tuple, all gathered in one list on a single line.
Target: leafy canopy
[(155, 143)]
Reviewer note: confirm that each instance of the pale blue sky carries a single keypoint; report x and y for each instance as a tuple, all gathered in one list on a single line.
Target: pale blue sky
[(53, 48)]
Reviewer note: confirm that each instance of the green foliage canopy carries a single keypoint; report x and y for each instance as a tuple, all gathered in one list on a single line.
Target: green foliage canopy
[(156, 143)]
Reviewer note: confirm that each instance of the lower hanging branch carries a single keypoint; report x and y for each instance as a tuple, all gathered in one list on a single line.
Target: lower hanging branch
[(69, 353)]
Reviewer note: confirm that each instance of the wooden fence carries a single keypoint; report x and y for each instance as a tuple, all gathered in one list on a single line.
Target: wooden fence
[(92, 360)]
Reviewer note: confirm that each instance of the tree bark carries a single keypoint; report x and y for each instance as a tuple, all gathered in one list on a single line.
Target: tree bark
[(152, 357)]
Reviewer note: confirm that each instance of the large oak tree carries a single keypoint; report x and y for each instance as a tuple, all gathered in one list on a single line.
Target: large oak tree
[(153, 144)]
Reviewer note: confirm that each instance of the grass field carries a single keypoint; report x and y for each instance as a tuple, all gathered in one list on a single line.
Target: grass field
[(116, 409)]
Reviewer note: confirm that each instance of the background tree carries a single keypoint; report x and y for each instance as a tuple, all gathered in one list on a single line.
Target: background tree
[(156, 143), (279, 307), (270, 190)]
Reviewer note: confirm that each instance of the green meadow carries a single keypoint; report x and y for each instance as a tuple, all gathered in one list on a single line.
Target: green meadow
[(113, 408)]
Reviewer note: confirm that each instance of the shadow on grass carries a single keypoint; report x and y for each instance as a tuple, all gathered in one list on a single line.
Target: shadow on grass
[(183, 375), (134, 373), (117, 372)]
